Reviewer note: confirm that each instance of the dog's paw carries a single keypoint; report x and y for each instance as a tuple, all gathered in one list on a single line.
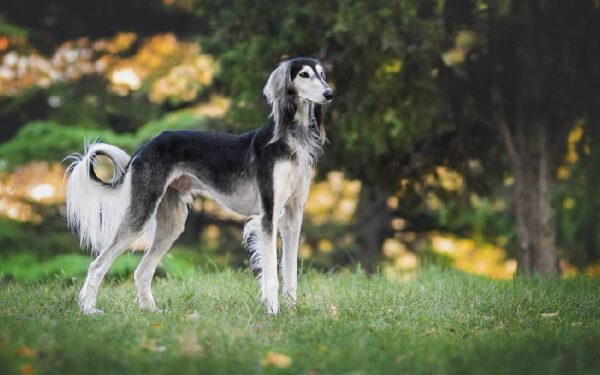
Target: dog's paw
[(153, 309), (273, 309), (90, 310), (290, 302)]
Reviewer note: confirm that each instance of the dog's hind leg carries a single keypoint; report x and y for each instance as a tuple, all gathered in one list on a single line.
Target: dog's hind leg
[(170, 222), (139, 213), (99, 267)]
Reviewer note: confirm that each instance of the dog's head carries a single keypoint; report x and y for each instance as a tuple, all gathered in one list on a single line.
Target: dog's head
[(299, 79)]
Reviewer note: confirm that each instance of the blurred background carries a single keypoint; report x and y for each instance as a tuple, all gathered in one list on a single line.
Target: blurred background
[(464, 133)]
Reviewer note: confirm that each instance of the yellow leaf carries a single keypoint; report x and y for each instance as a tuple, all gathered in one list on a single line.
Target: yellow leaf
[(568, 203), (465, 39), (26, 351), (276, 359), (325, 246), (454, 56), (27, 369)]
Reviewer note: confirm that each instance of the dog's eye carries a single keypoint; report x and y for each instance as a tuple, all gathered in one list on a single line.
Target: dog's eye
[(303, 75)]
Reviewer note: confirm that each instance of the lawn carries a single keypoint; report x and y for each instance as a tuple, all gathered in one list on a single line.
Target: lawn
[(440, 321)]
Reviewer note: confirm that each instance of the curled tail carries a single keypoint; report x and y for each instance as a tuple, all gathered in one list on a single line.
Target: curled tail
[(95, 209)]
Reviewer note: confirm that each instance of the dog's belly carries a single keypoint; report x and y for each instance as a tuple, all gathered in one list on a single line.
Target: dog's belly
[(244, 199)]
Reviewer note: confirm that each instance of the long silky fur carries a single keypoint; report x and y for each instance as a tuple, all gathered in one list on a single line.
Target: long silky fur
[(251, 242), (309, 139), (95, 209), (280, 94), (319, 123)]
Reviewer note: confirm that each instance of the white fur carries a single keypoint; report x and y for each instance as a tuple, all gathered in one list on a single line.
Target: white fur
[(94, 210), (282, 187), (252, 241), (320, 72), (290, 223), (312, 87), (291, 185), (307, 146)]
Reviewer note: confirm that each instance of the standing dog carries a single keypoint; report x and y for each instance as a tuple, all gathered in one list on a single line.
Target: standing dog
[(264, 174)]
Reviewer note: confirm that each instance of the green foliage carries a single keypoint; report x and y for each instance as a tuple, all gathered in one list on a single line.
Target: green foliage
[(578, 208), (90, 104), (441, 322), (9, 29), (44, 140), (13, 233), (42, 239), (28, 267), (386, 100), (413, 80), (50, 141)]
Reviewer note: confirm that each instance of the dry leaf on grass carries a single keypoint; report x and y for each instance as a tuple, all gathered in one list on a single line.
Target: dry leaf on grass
[(333, 310), (153, 346), (189, 346), (194, 315), (550, 315), (276, 359), (27, 369)]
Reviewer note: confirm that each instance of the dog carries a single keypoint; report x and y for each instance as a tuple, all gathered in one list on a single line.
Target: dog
[(264, 174)]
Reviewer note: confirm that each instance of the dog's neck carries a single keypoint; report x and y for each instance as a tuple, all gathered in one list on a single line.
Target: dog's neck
[(304, 113), (303, 137)]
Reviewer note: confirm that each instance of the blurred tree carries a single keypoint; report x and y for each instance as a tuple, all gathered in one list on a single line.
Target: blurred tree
[(54, 22), (486, 89), (75, 43), (526, 69), (491, 88), (578, 201)]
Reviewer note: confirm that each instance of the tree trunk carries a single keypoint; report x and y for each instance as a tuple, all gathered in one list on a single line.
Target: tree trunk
[(535, 219), (372, 223), (530, 158)]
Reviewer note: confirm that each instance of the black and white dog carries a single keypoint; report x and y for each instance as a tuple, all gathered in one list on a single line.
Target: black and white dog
[(264, 174)]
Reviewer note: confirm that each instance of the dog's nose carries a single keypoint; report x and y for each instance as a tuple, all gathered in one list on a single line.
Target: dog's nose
[(328, 94)]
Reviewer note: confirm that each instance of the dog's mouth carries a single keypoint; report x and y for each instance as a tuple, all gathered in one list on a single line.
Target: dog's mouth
[(323, 102)]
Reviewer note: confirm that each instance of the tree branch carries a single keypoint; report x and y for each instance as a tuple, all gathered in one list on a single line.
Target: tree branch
[(500, 122)]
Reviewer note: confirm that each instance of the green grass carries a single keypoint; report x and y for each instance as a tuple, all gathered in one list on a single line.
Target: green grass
[(440, 322)]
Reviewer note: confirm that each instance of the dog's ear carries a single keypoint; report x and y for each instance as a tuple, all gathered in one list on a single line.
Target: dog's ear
[(280, 93), (318, 112)]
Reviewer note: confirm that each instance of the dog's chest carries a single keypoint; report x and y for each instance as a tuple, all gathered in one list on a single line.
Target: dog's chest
[(291, 180)]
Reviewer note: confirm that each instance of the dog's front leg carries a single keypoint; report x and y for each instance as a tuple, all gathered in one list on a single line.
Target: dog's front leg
[(274, 194), (269, 280), (291, 224), (290, 232)]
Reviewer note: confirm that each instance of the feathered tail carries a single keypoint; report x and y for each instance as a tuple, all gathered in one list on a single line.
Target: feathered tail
[(251, 243), (95, 209)]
